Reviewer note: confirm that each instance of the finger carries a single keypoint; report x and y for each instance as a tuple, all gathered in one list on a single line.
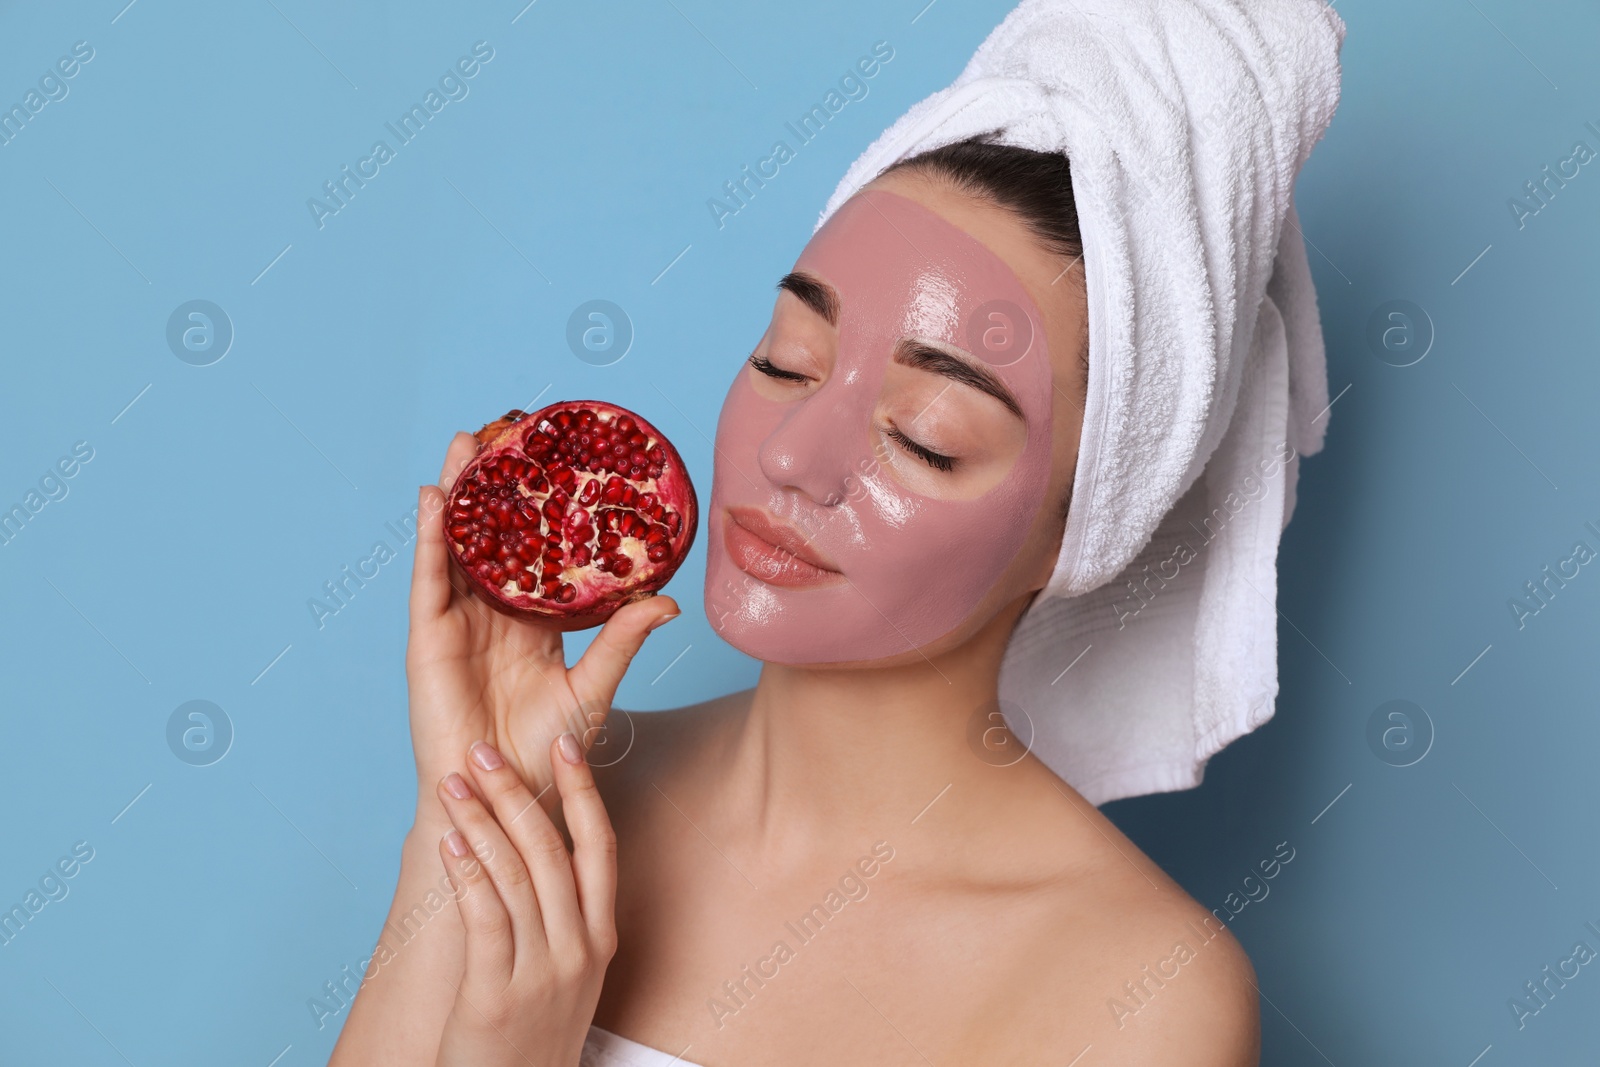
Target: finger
[(499, 857), (431, 579), (463, 446), (430, 571), (537, 840), (598, 672), (490, 953), (594, 842)]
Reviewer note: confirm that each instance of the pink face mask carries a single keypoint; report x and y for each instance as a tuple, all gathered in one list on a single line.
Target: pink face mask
[(865, 567)]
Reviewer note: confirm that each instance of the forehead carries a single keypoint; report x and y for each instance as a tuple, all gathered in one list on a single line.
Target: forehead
[(902, 270)]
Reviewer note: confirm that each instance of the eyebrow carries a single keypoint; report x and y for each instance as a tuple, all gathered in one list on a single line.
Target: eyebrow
[(815, 293), (921, 356), (820, 297)]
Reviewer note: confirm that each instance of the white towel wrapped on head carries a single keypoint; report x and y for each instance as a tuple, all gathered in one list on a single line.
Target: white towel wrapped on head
[(1185, 123)]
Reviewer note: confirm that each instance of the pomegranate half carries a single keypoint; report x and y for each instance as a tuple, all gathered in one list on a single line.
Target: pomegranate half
[(571, 512)]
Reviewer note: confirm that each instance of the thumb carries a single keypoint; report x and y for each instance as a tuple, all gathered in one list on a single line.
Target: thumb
[(430, 574), (598, 672)]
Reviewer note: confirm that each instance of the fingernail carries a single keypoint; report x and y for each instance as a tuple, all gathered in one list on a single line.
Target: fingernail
[(664, 620), (569, 749), (485, 756), (456, 786), (454, 843)]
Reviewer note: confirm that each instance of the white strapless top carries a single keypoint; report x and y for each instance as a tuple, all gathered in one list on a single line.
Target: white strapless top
[(602, 1048)]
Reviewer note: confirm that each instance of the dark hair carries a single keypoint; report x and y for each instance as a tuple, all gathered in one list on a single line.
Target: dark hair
[(1035, 186)]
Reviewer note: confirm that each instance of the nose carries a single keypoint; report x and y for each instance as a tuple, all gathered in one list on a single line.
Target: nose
[(818, 445)]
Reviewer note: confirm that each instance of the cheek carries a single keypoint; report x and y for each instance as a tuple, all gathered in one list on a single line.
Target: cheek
[(747, 419), (928, 563)]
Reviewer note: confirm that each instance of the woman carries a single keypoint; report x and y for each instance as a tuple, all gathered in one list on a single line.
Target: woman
[(832, 867)]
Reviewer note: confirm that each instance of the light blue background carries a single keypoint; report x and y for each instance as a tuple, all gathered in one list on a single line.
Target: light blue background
[(180, 563)]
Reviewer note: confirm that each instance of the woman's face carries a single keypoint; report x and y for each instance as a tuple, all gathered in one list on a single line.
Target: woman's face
[(891, 464)]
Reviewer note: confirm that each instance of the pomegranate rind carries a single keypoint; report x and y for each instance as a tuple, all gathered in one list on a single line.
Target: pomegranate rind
[(522, 496), (492, 430)]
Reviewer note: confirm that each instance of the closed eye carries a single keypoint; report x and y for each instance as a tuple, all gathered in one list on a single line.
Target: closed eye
[(764, 365), (927, 455)]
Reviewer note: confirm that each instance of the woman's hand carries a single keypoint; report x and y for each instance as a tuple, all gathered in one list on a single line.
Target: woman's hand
[(539, 922), (477, 674)]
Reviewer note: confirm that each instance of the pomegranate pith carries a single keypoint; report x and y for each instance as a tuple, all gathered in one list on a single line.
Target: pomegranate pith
[(570, 512)]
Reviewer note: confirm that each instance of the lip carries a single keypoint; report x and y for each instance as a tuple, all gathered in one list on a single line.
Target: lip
[(773, 551)]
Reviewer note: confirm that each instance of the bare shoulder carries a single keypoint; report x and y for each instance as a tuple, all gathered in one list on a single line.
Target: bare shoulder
[(1121, 959), (1177, 987)]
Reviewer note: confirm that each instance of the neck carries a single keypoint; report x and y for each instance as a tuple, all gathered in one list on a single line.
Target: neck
[(858, 753)]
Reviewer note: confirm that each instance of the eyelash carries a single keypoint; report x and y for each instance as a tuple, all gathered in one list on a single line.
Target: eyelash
[(933, 459), (928, 455), (764, 366)]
